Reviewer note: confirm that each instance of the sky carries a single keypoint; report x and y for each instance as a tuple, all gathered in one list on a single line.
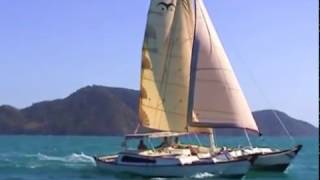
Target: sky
[(49, 49)]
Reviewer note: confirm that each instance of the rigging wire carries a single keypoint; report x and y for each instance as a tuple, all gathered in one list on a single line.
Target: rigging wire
[(197, 138), (251, 75), (137, 128), (248, 139), (151, 144), (189, 138)]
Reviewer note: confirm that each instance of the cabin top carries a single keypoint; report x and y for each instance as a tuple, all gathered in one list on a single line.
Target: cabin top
[(154, 135)]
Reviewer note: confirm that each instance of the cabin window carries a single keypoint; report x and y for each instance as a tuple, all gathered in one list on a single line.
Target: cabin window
[(137, 160)]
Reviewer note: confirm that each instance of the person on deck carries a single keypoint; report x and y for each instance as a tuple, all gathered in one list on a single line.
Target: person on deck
[(176, 140), (176, 143), (141, 146), (164, 144)]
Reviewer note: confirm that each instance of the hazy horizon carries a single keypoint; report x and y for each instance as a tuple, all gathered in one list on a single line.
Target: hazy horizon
[(50, 49)]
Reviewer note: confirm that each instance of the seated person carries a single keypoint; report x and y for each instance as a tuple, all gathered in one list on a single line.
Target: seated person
[(222, 150), (176, 140), (177, 144), (164, 144), (226, 153), (141, 146), (193, 150)]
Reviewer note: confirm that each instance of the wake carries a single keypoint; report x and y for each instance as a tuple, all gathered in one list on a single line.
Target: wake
[(40, 160), (73, 158)]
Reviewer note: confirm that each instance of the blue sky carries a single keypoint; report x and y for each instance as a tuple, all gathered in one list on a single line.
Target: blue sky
[(49, 49)]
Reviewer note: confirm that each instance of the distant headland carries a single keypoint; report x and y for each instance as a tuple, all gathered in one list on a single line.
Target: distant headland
[(100, 110)]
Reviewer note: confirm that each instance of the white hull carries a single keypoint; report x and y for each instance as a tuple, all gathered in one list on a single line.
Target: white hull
[(275, 160), (236, 168)]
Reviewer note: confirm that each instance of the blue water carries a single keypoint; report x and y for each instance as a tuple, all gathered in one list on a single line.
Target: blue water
[(69, 157)]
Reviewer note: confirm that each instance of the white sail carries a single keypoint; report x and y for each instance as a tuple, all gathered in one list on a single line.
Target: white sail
[(215, 95), (166, 60)]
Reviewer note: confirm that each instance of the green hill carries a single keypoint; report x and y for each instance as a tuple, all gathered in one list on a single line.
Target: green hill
[(99, 110)]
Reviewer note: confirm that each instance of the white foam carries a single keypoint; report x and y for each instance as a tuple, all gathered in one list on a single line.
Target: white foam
[(202, 175), (73, 158)]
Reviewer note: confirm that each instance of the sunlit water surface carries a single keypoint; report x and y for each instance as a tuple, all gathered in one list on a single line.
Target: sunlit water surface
[(69, 157)]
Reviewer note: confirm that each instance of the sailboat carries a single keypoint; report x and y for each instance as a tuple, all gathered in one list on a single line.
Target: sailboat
[(187, 87)]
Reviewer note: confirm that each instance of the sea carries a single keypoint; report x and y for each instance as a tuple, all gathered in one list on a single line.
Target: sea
[(25, 157)]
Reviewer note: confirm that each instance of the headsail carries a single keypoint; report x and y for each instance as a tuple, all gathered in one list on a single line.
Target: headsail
[(215, 94), (166, 57)]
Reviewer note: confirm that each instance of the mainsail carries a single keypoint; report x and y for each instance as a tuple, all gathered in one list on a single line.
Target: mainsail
[(215, 94), (166, 58)]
